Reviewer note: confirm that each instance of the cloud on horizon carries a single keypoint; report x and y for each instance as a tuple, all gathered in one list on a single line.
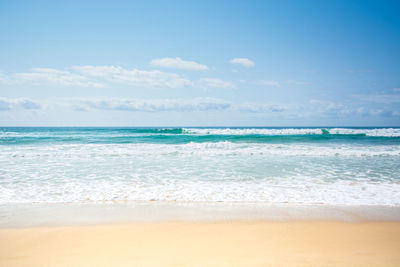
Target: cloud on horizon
[(139, 105), (263, 108), (315, 108), (155, 105), (18, 103)]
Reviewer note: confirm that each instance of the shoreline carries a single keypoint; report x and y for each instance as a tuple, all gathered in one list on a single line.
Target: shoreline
[(224, 243), (74, 214)]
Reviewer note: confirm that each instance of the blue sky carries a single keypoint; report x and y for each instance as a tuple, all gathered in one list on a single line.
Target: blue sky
[(200, 63)]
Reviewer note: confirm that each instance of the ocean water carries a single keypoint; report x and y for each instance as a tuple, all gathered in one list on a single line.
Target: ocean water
[(332, 166)]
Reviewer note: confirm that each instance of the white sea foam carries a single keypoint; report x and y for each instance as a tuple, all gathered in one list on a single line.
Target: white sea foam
[(247, 131), (302, 190), (192, 148), (384, 132), (223, 171), (295, 192), (387, 132)]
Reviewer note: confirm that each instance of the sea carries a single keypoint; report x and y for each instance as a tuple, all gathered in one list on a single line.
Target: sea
[(264, 165)]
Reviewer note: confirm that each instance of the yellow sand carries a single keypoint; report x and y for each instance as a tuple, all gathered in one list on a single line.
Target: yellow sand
[(205, 244)]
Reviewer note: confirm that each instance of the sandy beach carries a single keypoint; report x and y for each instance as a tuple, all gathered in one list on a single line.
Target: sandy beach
[(234, 243), (199, 133)]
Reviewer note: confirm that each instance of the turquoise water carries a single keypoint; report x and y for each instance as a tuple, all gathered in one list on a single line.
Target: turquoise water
[(85, 135), (304, 165)]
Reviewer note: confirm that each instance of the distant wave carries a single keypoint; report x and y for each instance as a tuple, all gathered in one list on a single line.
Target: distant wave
[(386, 132), (26, 136)]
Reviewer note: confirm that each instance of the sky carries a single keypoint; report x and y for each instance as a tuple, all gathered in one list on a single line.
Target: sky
[(200, 63)]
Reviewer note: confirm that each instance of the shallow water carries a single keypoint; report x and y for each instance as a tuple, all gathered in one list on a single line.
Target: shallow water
[(334, 166)]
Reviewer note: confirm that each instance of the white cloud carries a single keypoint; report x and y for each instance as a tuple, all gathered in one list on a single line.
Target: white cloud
[(216, 83), (179, 105), (28, 104), (155, 105), (273, 83), (54, 76), (330, 108), (97, 77), (18, 103), (135, 77), (269, 83), (117, 104), (4, 104), (315, 108), (178, 63), (4, 79), (139, 105), (343, 110), (381, 98), (263, 108), (245, 62)]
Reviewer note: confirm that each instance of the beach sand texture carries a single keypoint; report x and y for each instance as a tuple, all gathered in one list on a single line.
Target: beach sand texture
[(205, 244)]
